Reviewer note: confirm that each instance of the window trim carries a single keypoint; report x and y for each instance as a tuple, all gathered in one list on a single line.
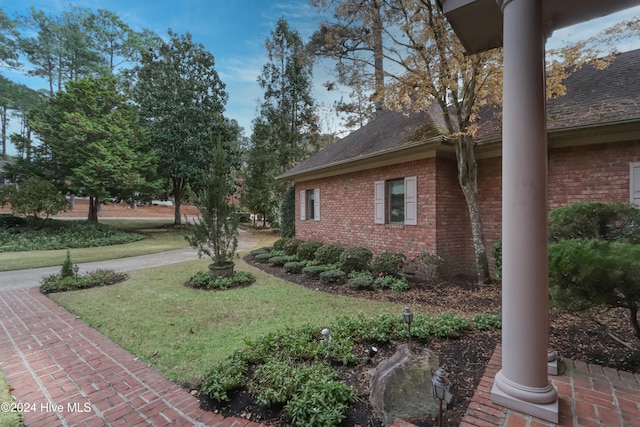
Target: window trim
[(304, 212), (381, 204), (634, 172)]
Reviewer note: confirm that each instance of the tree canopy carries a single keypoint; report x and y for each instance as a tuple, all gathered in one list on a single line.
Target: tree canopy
[(92, 144), (182, 101)]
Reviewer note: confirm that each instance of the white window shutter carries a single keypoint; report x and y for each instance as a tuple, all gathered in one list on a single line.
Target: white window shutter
[(411, 200), (316, 204), (378, 192), (303, 199), (634, 185)]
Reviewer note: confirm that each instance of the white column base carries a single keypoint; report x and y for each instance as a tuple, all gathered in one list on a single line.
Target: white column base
[(545, 408)]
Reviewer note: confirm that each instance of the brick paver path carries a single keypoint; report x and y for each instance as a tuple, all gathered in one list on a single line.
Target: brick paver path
[(589, 395), (65, 373)]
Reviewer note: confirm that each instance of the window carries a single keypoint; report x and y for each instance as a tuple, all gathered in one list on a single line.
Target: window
[(396, 201), (634, 183), (310, 204)]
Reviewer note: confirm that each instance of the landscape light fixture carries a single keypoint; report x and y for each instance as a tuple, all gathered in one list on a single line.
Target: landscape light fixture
[(441, 385), (76, 268), (408, 319), (372, 353)]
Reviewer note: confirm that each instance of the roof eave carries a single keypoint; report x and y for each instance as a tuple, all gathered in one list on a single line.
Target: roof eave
[(413, 151)]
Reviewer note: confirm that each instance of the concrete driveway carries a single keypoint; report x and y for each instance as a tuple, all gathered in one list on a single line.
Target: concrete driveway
[(22, 279)]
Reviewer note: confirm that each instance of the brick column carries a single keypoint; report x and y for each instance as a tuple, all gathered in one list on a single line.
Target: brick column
[(522, 383)]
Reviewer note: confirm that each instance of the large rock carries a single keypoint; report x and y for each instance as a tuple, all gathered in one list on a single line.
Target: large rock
[(401, 386)]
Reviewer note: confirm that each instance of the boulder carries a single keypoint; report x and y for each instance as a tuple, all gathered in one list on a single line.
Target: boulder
[(401, 386)]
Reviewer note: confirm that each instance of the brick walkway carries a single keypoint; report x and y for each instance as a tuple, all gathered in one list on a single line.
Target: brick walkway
[(590, 396), (66, 373)]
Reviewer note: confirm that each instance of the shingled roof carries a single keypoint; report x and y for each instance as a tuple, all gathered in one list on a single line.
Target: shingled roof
[(593, 97)]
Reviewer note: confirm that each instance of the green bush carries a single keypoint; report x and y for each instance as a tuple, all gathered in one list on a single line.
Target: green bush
[(321, 402), (314, 271), (260, 251), (391, 282), (360, 283), (486, 321), (11, 221), (204, 280), (225, 377), (496, 251), (328, 254), (57, 283), (291, 246), (333, 276), (288, 213), (36, 198), (595, 220), (307, 250), (387, 263), (67, 267), (263, 257), (357, 258), (278, 245), (278, 261), (294, 267)]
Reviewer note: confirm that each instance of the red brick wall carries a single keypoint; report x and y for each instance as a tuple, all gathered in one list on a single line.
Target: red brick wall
[(454, 229), (594, 172), (586, 173), (347, 211)]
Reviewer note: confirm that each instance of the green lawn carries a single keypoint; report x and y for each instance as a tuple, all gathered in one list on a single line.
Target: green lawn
[(182, 332), (7, 418), (160, 237)]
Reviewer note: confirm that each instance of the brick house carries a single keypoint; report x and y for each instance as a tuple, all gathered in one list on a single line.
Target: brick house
[(392, 185)]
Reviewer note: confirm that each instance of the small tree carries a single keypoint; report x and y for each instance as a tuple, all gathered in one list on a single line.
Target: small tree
[(288, 213), (215, 233), (34, 198)]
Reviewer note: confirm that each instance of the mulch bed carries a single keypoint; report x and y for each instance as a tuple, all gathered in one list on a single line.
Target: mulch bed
[(465, 357)]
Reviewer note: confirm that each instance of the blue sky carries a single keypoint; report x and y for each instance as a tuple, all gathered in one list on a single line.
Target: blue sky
[(234, 31)]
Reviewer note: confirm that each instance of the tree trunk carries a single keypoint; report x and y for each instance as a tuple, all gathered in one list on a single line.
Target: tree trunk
[(378, 57), (93, 209), (4, 132), (177, 214), (468, 179)]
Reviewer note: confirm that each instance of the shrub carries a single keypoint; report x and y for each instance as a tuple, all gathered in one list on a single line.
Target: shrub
[(204, 280), (57, 283), (225, 377), (357, 258), (11, 221), (585, 273), (278, 245), (486, 321), (391, 282), (288, 213), (294, 267), (387, 263), (36, 198), (260, 251), (314, 271), (290, 246), (67, 267), (496, 251), (333, 276), (264, 257), (360, 283), (278, 260), (595, 220), (307, 250), (328, 254), (425, 265)]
